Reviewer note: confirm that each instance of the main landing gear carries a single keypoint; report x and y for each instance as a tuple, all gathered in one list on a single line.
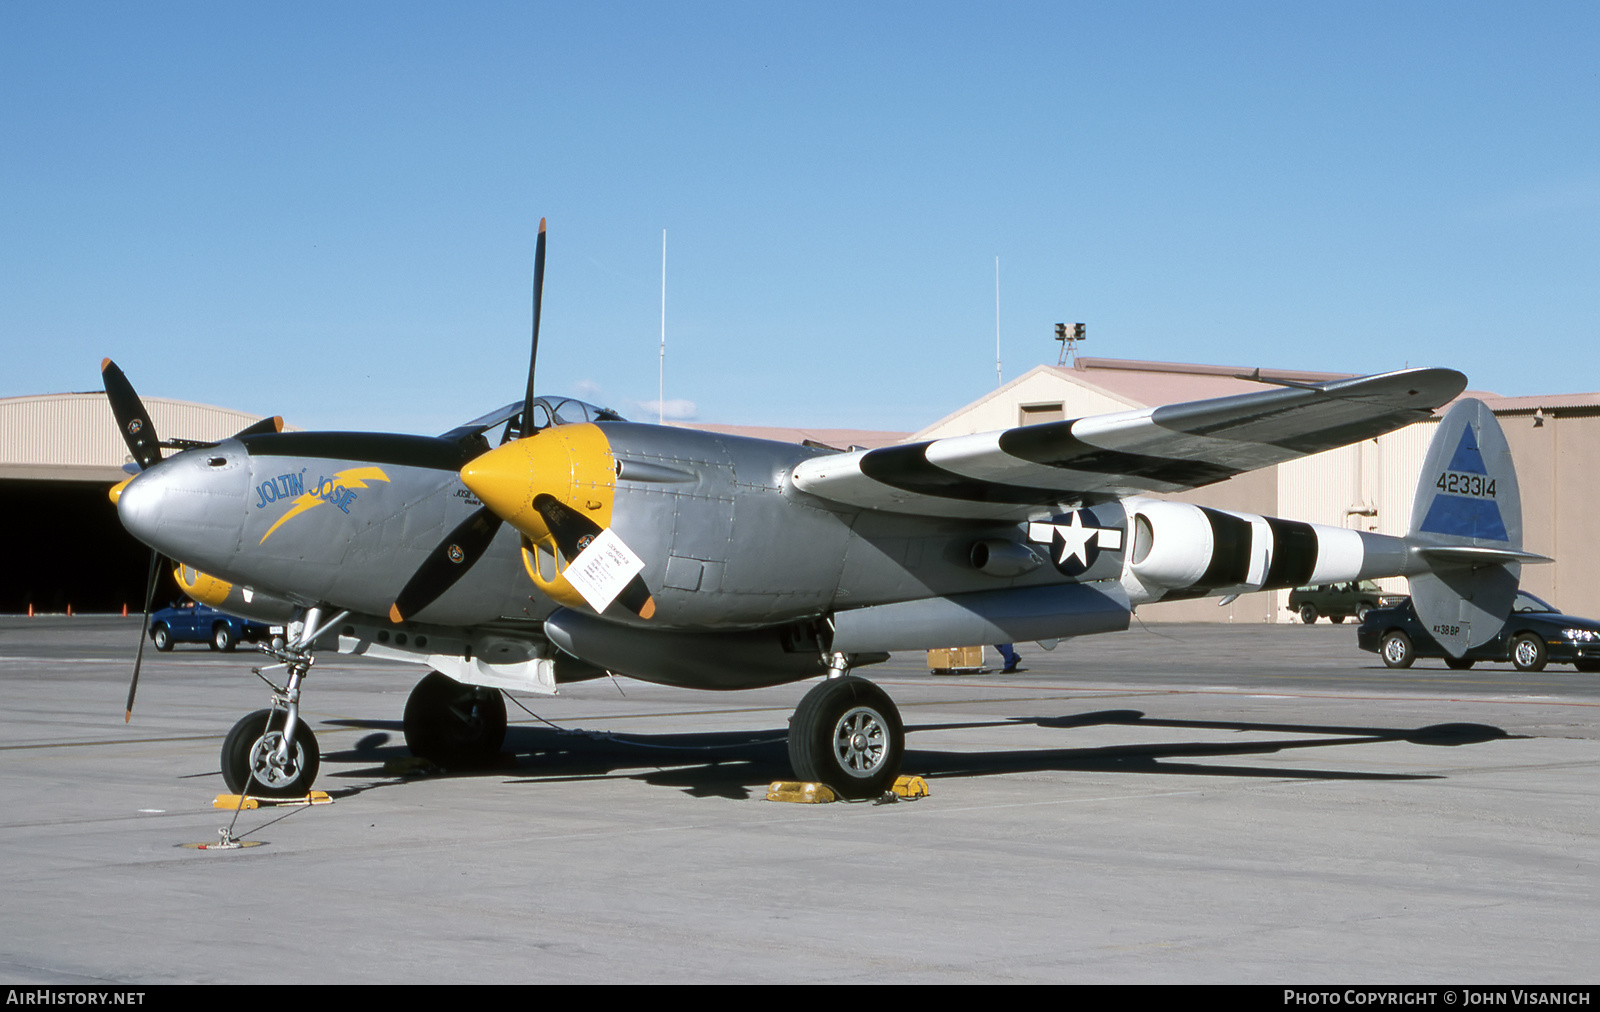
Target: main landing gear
[(454, 725), (847, 733)]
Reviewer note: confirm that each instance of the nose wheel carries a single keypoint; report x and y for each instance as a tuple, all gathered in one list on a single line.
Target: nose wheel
[(254, 760), (847, 733)]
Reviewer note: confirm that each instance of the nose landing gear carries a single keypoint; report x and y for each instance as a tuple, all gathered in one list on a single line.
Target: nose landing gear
[(272, 753)]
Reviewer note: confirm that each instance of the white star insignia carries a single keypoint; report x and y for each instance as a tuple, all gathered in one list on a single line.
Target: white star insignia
[(1076, 538)]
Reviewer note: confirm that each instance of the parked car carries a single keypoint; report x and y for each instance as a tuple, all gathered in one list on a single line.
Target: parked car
[(1534, 635), (1337, 601), (188, 622)]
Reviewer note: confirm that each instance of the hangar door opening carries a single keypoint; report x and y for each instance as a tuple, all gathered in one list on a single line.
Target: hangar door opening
[(64, 546)]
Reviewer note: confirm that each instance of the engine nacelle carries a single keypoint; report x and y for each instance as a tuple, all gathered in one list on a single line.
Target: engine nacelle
[(990, 616), (746, 659), (232, 598), (1173, 544), (1180, 550)]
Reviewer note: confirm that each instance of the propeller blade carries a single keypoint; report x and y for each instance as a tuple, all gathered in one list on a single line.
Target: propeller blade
[(533, 355), (266, 425), (573, 531), (132, 418), (144, 628), (458, 552)]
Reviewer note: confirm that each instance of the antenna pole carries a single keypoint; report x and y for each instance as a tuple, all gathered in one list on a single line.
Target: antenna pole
[(999, 378), (661, 395)]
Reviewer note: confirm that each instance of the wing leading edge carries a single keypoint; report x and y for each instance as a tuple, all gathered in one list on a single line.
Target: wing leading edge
[(1013, 473)]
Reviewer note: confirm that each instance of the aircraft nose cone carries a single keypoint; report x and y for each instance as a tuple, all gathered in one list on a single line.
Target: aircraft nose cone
[(139, 506), (502, 479), (191, 506)]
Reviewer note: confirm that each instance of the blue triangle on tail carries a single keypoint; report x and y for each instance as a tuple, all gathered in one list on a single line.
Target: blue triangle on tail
[(1465, 517), (1468, 458)]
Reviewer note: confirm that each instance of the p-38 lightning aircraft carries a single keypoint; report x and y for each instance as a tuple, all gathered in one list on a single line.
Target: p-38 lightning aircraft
[(578, 543)]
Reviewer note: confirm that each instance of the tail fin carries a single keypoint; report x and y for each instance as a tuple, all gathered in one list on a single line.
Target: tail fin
[(1466, 524)]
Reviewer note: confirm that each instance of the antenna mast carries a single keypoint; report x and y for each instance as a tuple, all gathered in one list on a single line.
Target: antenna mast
[(661, 395), (999, 379)]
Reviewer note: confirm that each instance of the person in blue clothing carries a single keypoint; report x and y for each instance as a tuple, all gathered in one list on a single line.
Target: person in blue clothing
[(1010, 656)]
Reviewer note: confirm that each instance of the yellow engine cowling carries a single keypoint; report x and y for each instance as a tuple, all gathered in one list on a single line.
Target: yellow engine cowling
[(245, 602)]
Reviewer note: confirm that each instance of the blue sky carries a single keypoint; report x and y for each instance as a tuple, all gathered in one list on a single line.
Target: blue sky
[(328, 210)]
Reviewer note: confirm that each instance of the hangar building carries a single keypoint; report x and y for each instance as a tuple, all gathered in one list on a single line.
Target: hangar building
[(59, 456)]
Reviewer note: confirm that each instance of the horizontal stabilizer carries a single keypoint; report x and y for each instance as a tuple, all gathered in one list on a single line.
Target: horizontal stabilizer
[(1477, 555)]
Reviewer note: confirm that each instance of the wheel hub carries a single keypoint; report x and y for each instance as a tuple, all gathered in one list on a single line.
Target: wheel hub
[(266, 766), (861, 741)]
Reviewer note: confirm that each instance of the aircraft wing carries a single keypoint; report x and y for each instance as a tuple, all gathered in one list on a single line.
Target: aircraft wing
[(1016, 473)]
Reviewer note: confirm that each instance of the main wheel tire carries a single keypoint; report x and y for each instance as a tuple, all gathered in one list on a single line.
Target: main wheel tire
[(1397, 651), (1458, 663), (457, 726), (222, 637), (161, 636), (247, 757), (1528, 653), (1308, 613), (847, 733)]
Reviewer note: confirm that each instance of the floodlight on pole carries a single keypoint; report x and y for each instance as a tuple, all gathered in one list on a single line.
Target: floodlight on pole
[(1069, 341)]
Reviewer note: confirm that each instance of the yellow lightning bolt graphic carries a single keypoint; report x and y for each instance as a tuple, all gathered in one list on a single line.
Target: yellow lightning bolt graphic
[(355, 477)]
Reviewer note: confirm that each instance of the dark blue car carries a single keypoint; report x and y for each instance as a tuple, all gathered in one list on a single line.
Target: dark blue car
[(188, 622), (1534, 635)]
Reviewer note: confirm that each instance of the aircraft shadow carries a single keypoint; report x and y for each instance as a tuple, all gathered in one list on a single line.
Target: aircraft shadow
[(739, 764)]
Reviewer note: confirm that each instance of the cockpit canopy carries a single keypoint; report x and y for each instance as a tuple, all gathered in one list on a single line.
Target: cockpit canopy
[(547, 411)]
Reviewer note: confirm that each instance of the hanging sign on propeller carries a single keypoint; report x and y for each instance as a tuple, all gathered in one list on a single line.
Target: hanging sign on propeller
[(603, 569)]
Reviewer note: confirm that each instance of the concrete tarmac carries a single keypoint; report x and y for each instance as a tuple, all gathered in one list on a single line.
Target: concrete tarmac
[(1178, 803)]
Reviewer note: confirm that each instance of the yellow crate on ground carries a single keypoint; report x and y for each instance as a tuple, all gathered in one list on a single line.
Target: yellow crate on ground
[(955, 660)]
